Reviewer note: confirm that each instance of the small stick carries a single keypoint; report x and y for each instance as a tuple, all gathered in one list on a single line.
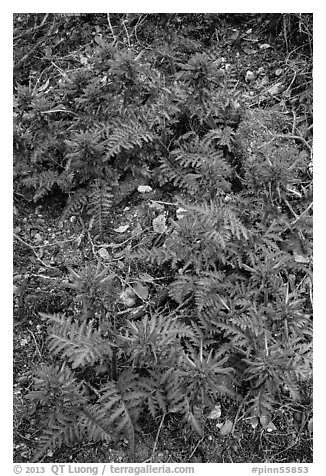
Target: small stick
[(193, 451), (157, 435), (111, 28), (32, 248)]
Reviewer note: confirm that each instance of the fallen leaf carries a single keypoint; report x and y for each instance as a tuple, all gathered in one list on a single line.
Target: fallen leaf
[(249, 76), (254, 422), (91, 223), (144, 188), (48, 51), (271, 427), (215, 413), (265, 419), (300, 259), (147, 278), (137, 230), (103, 252), (181, 213), (264, 81), (127, 297), (248, 50), (99, 40), (121, 228), (37, 238), (156, 205), (276, 89), (234, 35), (141, 290), (159, 224), (226, 428)]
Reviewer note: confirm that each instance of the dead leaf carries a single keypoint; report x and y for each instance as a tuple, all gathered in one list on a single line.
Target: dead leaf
[(144, 188), (276, 89), (249, 76), (141, 290), (264, 81), (159, 224), (48, 51), (137, 230), (300, 259), (181, 213), (264, 46), (147, 278), (271, 427), (254, 422), (127, 297), (121, 229), (99, 40), (215, 413), (226, 428), (156, 205), (103, 252), (248, 50), (265, 419), (234, 35)]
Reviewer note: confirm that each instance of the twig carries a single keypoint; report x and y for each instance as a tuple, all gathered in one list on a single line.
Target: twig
[(305, 211), (193, 451), (139, 22), (164, 203), (111, 28), (38, 350), (51, 111), (37, 44), (53, 244), (294, 137), (32, 248), (42, 276), (33, 29), (157, 435), (126, 30)]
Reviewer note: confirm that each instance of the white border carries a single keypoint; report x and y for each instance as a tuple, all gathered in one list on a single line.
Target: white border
[(319, 189)]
